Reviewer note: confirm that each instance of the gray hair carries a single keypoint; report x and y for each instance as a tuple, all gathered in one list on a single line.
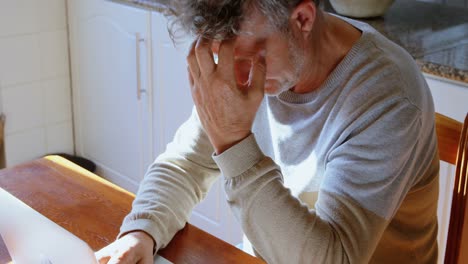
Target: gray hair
[(220, 19)]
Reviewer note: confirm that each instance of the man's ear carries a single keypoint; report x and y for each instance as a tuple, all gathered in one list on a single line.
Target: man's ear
[(303, 17)]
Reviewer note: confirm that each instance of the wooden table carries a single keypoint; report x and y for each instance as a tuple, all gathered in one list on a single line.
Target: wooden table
[(93, 209)]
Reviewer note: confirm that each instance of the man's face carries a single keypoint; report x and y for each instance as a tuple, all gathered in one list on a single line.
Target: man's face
[(281, 55)]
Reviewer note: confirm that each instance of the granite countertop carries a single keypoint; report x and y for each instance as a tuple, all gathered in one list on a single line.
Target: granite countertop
[(435, 35)]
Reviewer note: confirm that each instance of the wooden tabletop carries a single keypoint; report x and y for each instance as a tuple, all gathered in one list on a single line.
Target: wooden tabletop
[(93, 209)]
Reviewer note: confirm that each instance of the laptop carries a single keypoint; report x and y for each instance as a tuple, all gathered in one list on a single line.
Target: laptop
[(31, 238)]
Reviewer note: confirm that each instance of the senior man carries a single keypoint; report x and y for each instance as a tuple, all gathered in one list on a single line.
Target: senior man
[(336, 164)]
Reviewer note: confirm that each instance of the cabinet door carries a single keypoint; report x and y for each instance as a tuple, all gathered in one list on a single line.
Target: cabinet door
[(110, 88), (172, 106), (450, 99)]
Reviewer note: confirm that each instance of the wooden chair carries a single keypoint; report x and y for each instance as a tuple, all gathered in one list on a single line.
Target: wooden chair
[(453, 148)]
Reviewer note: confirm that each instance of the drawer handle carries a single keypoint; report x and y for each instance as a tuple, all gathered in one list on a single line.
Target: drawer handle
[(139, 40)]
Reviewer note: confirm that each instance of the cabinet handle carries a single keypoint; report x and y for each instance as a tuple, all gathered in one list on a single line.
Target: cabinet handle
[(139, 40)]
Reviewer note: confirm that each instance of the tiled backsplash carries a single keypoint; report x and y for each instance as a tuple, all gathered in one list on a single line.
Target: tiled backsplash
[(149, 4), (459, 3), (35, 92)]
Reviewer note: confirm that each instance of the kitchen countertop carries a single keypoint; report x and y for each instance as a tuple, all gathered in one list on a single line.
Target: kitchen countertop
[(435, 35)]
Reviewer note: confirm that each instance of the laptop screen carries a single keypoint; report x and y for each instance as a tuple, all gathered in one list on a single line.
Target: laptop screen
[(32, 238)]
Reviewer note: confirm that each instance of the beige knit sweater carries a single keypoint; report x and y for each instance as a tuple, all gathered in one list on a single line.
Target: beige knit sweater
[(345, 174)]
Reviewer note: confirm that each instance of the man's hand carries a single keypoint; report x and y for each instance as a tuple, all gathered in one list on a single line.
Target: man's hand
[(134, 247), (226, 109)]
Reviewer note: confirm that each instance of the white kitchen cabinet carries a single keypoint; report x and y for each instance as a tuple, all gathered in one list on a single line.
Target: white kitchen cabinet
[(109, 54), (450, 99), (171, 97), (117, 51)]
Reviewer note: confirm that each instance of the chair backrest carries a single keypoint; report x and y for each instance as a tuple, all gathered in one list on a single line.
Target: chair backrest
[(453, 148)]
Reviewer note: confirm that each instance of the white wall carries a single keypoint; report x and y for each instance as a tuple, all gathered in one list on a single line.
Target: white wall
[(35, 92)]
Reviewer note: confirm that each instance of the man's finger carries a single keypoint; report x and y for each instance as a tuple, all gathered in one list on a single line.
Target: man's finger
[(257, 76), (103, 255), (193, 88), (118, 260), (190, 77), (226, 58), (149, 260), (104, 260), (123, 257), (204, 55), (192, 61)]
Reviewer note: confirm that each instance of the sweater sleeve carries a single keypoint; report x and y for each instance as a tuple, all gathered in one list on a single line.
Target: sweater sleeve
[(177, 180), (367, 174)]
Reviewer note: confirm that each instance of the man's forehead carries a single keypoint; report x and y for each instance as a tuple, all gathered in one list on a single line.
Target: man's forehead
[(254, 24)]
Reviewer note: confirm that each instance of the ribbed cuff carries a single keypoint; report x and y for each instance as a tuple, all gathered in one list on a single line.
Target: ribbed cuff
[(239, 158), (144, 225)]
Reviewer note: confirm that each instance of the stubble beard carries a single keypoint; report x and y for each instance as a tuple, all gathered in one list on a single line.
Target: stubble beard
[(296, 64)]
